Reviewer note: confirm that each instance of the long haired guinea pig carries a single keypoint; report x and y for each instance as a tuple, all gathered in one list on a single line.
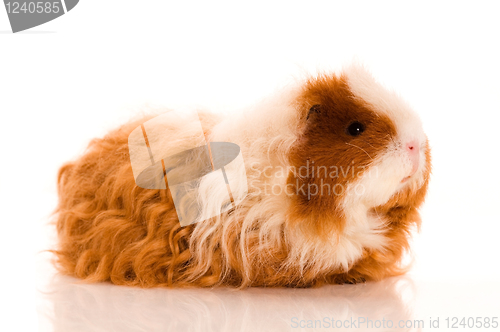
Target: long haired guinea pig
[(336, 169)]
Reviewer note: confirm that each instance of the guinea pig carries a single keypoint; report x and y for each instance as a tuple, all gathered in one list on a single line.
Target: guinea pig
[(336, 167)]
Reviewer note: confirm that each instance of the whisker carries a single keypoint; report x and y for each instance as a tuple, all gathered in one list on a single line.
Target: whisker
[(369, 144), (360, 149)]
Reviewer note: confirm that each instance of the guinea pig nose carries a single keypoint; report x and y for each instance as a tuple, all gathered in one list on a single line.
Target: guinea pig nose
[(414, 153)]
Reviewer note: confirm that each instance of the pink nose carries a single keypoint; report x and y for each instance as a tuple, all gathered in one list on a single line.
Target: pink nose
[(414, 152)]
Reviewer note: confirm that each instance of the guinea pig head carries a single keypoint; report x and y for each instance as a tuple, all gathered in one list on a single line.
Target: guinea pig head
[(361, 151)]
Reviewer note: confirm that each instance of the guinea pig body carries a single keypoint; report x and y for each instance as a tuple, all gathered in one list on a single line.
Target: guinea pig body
[(337, 167)]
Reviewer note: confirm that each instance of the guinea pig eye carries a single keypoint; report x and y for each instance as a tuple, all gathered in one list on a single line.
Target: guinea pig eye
[(314, 109), (355, 128)]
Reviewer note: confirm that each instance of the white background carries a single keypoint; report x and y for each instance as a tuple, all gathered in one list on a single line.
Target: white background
[(74, 78)]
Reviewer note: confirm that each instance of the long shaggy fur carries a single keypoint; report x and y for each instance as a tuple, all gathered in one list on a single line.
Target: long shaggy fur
[(112, 230)]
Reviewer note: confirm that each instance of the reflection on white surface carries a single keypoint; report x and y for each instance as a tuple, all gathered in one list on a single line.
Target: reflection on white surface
[(68, 305)]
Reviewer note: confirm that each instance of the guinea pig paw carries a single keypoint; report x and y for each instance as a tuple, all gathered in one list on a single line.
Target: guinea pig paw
[(353, 281), (350, 279)]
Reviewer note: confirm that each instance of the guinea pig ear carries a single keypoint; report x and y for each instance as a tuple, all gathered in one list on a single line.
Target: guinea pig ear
[(313, 109)]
